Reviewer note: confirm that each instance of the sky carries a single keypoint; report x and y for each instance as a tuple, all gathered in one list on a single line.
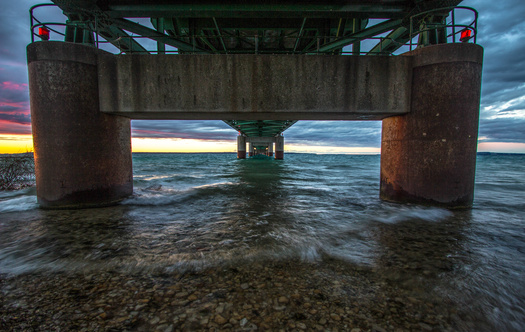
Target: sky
[(502, 113)]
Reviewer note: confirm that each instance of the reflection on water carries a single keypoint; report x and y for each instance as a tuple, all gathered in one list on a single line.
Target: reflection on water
[(194, 211)]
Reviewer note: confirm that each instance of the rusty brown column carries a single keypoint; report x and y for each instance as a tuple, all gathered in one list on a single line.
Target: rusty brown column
[(429, 155), (82, 156)]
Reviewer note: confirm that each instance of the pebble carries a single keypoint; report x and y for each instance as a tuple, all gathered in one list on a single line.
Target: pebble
[(335, 317), (220, 320), (278, 296), (283, 299)]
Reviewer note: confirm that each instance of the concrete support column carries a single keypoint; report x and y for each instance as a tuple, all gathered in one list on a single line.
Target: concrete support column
[(429, 155), (82, 156), (279, 147), (250, 149), (270, 149), (241, 147)]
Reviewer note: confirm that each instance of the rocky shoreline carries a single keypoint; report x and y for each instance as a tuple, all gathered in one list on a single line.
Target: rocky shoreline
[(269, 296)]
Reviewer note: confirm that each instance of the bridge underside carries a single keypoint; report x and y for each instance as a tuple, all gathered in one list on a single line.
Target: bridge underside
[(260, 68), (263, 27)]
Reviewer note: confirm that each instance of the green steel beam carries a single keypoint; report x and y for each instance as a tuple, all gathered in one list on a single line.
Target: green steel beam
[(260, 128), (360, 35), (279, 9), (120, 39), (392, 42), (155, 35)]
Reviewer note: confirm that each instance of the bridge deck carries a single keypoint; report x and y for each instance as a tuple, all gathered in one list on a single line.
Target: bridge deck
[(239, 27)]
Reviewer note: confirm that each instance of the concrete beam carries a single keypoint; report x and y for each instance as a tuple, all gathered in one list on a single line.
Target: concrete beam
[(255, 87)]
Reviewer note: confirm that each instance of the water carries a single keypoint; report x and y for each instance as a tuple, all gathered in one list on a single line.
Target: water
[(190, 212)]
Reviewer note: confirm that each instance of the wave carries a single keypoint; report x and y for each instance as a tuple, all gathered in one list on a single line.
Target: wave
[(400, 214), (159, 195), (18, 204)]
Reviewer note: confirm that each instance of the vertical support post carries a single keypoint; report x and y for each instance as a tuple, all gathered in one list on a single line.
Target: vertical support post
[(279, 147), (270, 149), (429, 154), (82, 156), (241, 147), (250, 149)]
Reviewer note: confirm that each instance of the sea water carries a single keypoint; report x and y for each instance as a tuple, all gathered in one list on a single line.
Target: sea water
[(193, 211)]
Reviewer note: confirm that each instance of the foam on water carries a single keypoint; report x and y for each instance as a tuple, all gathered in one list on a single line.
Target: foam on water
[(18, 204)]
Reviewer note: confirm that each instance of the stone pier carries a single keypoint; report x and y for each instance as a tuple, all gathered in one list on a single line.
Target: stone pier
[(82, 156), (429, 155), (241, 147)]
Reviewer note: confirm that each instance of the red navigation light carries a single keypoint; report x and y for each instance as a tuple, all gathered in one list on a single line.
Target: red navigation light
[(465, 35), (43, 32)]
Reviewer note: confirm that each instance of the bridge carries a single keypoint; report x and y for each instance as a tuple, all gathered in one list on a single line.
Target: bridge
[(260, 67)]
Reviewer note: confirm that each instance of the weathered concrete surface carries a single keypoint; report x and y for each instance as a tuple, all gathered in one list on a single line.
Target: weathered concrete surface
[(261, 87), (241, 147), (82, 156), (429, 155)]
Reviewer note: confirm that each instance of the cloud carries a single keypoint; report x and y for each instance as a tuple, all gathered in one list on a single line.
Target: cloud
[(191, 129), (13, 128), (501, 30), (502, 130), (335, 133)]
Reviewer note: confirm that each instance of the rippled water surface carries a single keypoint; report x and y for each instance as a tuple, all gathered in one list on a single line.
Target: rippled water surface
[(192, 211)]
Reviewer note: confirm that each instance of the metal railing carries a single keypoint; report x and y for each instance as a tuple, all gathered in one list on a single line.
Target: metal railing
[(455, 28), (39, 24), (315, 42)]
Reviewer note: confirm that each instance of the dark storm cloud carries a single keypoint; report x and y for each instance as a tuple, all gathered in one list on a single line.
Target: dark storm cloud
[(20, 118), (502, 130), (501, 33), (193, 129), (11, 92), (336, 133)]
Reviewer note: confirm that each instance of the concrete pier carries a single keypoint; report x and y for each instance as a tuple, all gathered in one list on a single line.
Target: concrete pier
[(279, 147), (82, 156), (241, 147), (429, 155)]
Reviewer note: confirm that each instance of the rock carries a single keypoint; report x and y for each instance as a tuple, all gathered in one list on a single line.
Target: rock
[(377, 328), (335, 317), (220, 320), (243, 322), (245, 286), (355, 330), (322, 321), (283, 299), (425, 327), (192, 297), (301, 326), (154, 321)]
